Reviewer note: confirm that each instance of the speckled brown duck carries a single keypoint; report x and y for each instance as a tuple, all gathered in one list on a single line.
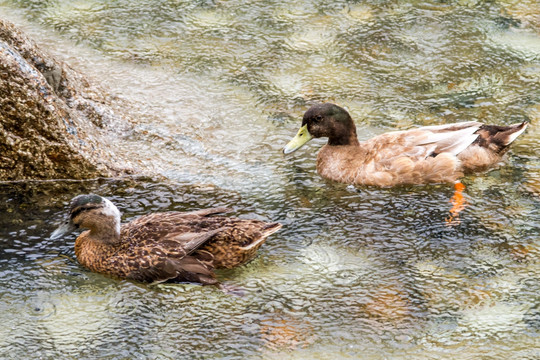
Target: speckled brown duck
[(429, 154), (168, 246)]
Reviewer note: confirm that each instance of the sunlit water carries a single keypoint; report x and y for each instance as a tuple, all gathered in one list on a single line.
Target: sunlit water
[(217, 90)]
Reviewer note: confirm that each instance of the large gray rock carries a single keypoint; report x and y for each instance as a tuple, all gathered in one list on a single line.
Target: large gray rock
[(53, 123)]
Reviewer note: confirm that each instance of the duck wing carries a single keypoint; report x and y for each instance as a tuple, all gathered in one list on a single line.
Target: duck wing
[(188, 268), (188, 241), (452, 138), (421, 143), (170, 259), (423, 155), (159, 227), (162, 244), (206, 212)]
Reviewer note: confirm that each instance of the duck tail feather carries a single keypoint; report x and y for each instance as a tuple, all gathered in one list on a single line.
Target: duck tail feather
[(514, 131), (499, 137), (266, 231), (271, 228)]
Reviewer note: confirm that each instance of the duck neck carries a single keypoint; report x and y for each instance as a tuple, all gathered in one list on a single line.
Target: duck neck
[(93, 247), (107, 231), (344, 139), (342, 132)]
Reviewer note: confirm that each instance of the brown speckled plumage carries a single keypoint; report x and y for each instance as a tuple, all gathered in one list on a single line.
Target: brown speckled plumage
[(169, 246), (431, 154)]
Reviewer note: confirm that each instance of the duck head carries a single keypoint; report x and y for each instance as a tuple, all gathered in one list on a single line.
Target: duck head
[(92, 212), (324, 120)]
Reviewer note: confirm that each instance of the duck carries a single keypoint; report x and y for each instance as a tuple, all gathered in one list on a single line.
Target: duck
[(161, 247), (429, 154)]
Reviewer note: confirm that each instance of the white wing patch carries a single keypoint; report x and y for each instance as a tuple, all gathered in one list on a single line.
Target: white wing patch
[(453, 138)]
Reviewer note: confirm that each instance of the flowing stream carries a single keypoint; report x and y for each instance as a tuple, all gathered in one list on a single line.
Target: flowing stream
[(218, 88)]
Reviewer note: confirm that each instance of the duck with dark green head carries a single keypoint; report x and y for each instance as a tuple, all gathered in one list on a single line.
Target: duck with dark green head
[(429, 154), (159, 247)]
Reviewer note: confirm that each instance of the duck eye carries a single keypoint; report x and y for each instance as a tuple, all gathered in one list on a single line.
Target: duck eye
[(318, 118)]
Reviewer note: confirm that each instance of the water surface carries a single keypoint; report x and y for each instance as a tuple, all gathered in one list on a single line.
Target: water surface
[(356, 272)]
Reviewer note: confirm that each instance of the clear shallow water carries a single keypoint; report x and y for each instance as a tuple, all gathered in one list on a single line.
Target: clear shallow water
[(355, 272)]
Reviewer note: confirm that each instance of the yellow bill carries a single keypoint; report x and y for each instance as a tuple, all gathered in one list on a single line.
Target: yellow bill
[(302, 137)]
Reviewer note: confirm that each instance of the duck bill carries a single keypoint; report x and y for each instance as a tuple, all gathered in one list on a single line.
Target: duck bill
[(301, 138), (63, 229)]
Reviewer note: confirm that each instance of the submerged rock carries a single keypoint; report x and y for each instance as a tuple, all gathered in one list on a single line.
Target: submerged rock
[(53, 123)]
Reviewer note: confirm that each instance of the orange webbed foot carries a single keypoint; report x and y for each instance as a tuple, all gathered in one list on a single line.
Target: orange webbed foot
[(458, 204)]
